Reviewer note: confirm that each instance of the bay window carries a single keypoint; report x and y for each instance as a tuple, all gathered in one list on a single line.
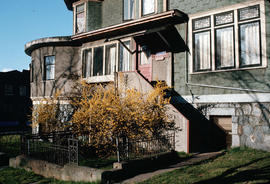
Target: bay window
[(227, 40), (106, 59)]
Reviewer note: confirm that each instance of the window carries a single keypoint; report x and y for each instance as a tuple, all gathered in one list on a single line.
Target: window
[(49, 67), (124, 57), (22, 90), (227, 40), (110, 59), (98, 61), (8, 89), (145, 55), (128, 9), (148, 7), (80, 18), (102, 60), (87, 63)]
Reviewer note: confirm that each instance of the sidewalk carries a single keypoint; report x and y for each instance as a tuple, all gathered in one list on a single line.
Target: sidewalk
[(196, 159)]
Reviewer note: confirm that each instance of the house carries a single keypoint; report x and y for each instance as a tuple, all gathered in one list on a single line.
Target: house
[(214, 53), (15, 102)]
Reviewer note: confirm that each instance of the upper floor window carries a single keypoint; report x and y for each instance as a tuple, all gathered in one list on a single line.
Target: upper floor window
[(102, 60), (8, 89), (227, 40), (80, 18), (128, 9), (49, 65), (148, 6)]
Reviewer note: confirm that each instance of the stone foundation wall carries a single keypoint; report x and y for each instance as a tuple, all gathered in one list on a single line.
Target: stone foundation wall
[(250, 122)]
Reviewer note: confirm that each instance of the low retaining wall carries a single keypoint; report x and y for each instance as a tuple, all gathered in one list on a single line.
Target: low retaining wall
[(121, 171), (49, 170)]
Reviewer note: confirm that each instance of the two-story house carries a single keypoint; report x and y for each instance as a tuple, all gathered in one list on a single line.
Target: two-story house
[(213, 53)]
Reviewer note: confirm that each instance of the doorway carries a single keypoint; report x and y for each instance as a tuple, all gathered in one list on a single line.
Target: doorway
[(222, 131)]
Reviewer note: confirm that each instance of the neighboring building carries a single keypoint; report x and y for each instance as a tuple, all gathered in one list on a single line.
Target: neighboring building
[(15, 102), (214, 53)]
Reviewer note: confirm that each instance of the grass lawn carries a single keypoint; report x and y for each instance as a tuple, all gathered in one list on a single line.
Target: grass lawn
[(20, 176), (239, 165)]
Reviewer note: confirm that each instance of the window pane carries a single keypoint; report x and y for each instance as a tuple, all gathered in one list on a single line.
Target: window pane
[(128, 9), (250, 44), (80, 23), (224, 18), (148, 6), (8, 89), (124, 58), (202, 51), (87, 62), (224, 47), (49, 67), (49, 72), (98, 61), (249, 12), (201, 23), (145, 55), (110, 59), (80, 8)]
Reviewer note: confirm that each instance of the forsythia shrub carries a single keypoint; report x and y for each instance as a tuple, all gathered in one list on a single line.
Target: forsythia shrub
[(106, 113)]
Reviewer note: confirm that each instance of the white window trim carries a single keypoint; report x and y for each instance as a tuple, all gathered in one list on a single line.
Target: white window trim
[(75, 13), (234, 7), (103, 78)]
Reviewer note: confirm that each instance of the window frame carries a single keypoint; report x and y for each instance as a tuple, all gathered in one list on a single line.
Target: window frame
[(45, 68), (141, 9), (193, 50), (239, 43), (234, 55), (123, 10), (235, 8), (75, 5)]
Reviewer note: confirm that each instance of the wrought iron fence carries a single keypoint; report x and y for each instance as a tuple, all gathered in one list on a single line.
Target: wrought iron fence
[(131, 149), (59, 148)]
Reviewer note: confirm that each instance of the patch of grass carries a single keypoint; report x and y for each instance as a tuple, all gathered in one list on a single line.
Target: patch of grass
[(20, 176), (184, 155), (238, 165)]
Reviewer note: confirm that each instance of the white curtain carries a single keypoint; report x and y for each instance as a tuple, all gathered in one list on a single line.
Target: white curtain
[(148, 6), (225, 48), (124, 63), (88, 61), (128, 9), (202, 51), (250, 43)]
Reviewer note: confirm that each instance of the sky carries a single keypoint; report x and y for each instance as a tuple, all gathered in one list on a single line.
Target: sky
[(22, 21)]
